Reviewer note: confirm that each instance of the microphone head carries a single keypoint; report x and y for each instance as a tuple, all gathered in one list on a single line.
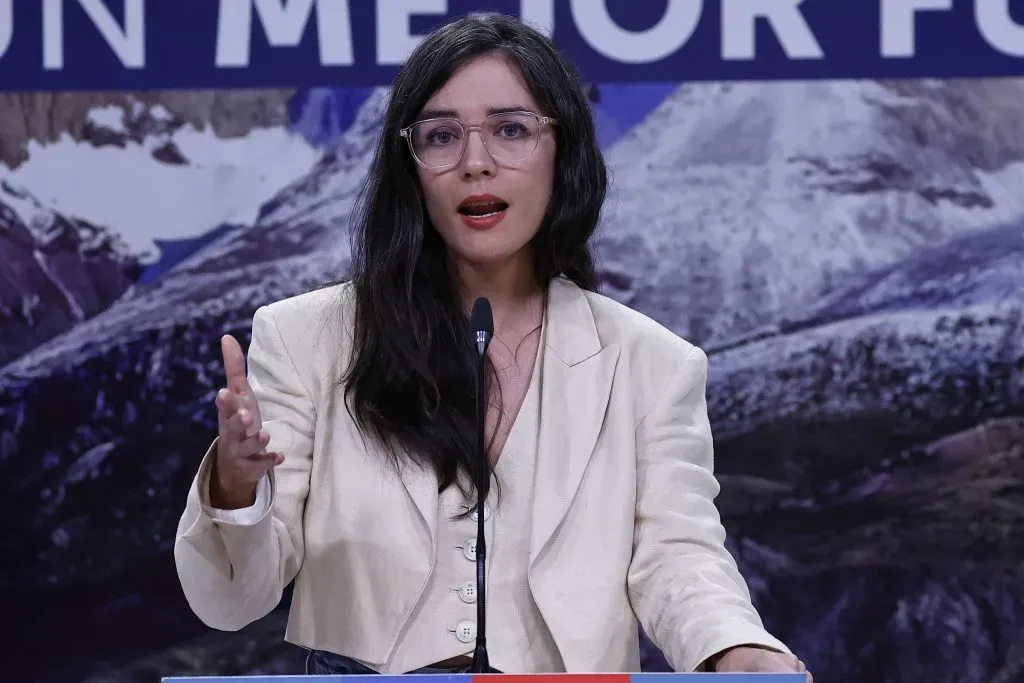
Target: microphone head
[(481, 319)]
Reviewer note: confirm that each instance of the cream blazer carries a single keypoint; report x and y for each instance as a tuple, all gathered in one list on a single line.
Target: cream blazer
[(624, 528)]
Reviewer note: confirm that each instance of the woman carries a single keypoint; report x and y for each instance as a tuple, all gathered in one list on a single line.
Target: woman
[(345, 461)]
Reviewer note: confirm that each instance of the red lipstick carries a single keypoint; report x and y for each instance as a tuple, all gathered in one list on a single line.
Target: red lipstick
[(482, 211)]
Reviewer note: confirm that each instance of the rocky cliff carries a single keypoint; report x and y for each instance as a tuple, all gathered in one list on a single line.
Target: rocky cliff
[(45, 117)]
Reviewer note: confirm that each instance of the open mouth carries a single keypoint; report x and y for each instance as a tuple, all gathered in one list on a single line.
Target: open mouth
[(482, 209)]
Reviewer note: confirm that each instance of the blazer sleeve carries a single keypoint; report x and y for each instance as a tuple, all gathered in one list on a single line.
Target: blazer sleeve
[(683, 584), (233, 569)]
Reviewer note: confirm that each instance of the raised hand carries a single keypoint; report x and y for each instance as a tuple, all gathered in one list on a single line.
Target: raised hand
[(242, 458)]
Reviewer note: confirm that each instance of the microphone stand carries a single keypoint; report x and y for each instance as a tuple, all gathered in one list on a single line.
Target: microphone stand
[(481, 663)]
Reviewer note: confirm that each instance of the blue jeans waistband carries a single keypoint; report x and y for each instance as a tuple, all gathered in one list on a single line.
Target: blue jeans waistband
[(322, 663)]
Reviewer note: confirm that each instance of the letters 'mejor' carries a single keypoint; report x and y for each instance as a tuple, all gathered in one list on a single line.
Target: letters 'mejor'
[(55, 45)]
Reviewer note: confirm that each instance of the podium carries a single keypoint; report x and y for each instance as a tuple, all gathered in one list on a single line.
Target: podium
[(502, 678)]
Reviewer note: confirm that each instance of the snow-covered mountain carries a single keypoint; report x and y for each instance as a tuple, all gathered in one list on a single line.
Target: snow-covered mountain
[(735, 205), (300, 240), (144, 185), (57, 271), (974, 268), (153, 177)]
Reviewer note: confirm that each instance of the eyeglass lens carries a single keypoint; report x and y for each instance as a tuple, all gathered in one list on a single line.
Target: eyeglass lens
[(508, 137)]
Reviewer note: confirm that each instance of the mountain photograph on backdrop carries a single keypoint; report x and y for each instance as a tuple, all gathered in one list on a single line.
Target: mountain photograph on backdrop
[(849, 254)]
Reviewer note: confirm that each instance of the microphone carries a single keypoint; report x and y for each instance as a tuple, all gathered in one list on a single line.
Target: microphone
[(481, 323)]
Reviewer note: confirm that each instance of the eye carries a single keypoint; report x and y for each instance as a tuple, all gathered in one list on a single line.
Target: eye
[(439, 133), (440, 137), (512, 130)]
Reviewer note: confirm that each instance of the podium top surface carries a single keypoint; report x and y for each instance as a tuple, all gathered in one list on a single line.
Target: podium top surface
[(525, 678)]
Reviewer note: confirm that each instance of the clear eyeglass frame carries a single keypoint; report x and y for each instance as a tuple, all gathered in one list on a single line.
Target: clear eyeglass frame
[(542, 122)]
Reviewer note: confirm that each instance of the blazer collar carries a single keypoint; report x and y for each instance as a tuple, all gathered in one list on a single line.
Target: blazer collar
[(576, 371), (571, 333)]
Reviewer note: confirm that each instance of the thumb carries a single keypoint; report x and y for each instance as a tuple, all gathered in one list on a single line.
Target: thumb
[(234, 364)]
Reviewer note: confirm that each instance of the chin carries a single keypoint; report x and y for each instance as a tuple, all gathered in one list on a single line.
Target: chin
[(487, 248), (486, 258)]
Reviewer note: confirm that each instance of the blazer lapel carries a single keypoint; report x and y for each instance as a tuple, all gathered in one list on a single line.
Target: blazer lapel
[(421, 485), (577, 375)]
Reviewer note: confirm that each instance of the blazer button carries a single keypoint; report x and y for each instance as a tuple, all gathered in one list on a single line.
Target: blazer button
[(487, 513), (469, 550), (467, 591), (466, 631)]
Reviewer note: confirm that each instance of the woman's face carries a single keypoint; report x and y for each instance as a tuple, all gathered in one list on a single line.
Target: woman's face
[(487, 210)]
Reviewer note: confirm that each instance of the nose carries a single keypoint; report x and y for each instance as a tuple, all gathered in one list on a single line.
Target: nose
[(476, 160)]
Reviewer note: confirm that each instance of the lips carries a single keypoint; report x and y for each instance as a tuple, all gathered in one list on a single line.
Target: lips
[(481, 205), (482, 211)]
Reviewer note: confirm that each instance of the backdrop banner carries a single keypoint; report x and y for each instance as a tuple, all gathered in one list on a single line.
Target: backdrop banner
[(817, 196), (135, 44)]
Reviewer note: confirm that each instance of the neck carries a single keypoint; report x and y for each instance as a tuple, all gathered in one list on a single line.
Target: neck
[(511, 286)]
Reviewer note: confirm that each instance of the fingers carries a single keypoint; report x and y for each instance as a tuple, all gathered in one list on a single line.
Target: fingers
[(234, 420), (242, 425), (237, 412), (801, 667), (242, 456), (250, 447), (250, 456), (254, 467), (270, 459), (228, 403), (234, 364), (784, 663)]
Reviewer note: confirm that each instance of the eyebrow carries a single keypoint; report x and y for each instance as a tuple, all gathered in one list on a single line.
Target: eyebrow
[(452, 114)]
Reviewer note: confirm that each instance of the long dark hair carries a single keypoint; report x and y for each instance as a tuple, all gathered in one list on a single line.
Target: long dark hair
[(411, 383)]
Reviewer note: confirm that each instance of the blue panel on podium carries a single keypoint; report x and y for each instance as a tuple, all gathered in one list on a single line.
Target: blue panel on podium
[(533, 678)]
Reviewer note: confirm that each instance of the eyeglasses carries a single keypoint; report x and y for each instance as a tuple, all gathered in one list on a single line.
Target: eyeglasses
[(508, 137)]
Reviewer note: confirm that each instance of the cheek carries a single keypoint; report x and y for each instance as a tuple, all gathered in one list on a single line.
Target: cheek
[(539, 200), (542, 184), (434, 195)]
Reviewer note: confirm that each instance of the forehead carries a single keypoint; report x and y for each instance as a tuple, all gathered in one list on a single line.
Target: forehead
[(486, 84)]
